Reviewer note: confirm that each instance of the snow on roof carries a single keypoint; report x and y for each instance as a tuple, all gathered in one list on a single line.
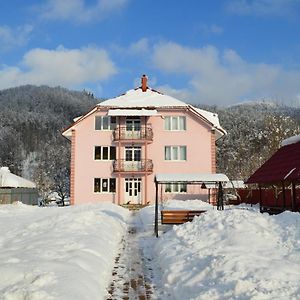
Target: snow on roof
[(291, 140), (128, 104), (77, 118), (199, 177), (132, 112), (151, 98), (7, 179), (212, 118), (237, 184), (138, 98)]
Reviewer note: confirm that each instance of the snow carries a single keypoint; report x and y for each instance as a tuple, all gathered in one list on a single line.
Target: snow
[(212, 118), (191, 177), (237, 253), (69, 253), (291, 140), (138, 98), (58, 253), (7, 179), (77, 118), (132, 112), (238, 184)]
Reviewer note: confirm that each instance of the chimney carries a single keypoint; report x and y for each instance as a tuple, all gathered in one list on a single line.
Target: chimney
[(144, 83)]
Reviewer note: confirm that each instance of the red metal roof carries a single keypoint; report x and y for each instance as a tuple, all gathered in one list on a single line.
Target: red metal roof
[(284, 165)]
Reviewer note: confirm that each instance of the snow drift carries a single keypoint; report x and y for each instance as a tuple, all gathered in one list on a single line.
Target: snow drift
[(58, 253), (232, 254)]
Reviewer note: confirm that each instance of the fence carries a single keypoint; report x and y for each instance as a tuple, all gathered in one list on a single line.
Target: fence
[(270, 197), (24, 195)]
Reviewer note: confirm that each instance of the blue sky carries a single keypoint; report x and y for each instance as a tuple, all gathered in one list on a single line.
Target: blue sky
[(210, 52)]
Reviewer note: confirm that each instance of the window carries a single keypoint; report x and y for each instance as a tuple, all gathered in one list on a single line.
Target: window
[(175, 152), (105, 153), (176, 188), (104, 185), (105, 123), (175, 123)]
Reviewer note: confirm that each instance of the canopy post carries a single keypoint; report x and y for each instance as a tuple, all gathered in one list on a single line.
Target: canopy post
[(220, 201), (293, 197), (283, 195), (260, 198), (156, 209)]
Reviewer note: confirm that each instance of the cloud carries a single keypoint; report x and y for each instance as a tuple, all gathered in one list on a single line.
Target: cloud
[(14, 37), (139, 47), (181, 94), (65, 67), (79, 11), (263, 7), (223, 77), (211, 29)]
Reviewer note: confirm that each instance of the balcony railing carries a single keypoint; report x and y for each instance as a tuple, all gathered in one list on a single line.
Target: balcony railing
[(137, 133), (122, 165)]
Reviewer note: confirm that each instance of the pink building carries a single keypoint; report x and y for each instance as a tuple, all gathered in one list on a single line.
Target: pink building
[(119, 146)]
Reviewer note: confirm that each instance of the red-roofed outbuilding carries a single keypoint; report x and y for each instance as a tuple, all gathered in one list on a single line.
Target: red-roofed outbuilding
[(281, 173)]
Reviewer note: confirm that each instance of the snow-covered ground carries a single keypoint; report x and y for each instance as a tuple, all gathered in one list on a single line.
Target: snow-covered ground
[(58, 253), (69, 253), (233, 254)]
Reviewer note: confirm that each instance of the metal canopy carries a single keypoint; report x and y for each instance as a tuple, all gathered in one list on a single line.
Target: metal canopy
[(193, 178), (190, 178)]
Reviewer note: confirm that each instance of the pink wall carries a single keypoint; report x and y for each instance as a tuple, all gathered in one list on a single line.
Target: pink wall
[(197, 138)]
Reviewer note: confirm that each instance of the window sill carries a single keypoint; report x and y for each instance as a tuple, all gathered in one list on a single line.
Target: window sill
[(104, 193)]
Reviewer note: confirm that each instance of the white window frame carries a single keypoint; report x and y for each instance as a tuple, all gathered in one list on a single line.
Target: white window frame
[(110, 126), (108, 185), (174, 153), (173, 123), (101, 153), (176, 188)]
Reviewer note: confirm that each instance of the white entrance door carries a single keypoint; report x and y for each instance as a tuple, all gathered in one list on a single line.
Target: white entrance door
[(133, 128), (133, 190), (133, 158)]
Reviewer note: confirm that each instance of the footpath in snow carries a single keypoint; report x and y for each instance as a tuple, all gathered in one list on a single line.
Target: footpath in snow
[(237, 253), (133, 274)]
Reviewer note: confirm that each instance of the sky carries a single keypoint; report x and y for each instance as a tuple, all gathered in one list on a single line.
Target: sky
[(202, 52)]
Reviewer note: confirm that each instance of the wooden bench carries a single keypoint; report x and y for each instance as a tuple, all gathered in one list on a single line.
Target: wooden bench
[(173, 217)]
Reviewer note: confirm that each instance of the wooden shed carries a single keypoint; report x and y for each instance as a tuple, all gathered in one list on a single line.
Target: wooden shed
[(14, 188)]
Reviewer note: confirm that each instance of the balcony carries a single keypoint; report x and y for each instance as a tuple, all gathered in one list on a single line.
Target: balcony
[(144, 165), (125, 133)]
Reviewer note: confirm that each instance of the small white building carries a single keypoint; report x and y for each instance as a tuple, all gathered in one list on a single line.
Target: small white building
[(14, 188)]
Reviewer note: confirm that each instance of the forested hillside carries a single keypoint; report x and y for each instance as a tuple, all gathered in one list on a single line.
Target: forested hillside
[(32, 118), (255, 131)]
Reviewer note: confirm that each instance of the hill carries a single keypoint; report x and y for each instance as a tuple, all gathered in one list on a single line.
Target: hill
[(255, 131), (31, 120)]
